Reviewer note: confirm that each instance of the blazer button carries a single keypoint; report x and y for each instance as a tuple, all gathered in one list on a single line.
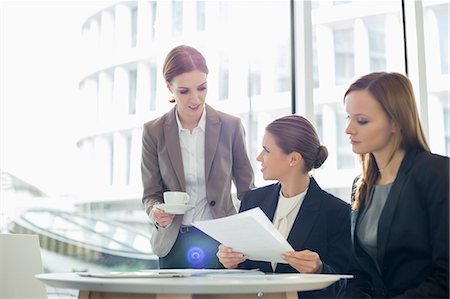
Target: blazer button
[(212, 203)]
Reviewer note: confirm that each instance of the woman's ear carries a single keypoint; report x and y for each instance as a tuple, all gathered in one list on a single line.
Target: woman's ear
[(295, 158), (169, 87), (394, 127)]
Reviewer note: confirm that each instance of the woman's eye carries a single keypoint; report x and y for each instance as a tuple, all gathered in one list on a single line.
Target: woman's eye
[(184, 91), (362, 121), (202, 88)]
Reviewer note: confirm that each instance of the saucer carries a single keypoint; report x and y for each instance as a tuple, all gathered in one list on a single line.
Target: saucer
[(178, 209)]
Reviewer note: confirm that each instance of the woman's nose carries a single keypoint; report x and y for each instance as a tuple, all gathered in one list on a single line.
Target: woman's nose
[(258, 158), (195, 97), (349, 128)]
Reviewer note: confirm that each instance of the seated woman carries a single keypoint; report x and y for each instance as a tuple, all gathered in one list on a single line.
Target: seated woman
[(314, 222), (400, 223)]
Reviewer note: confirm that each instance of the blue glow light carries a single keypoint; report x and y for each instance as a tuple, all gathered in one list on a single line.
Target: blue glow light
[(195, 256)]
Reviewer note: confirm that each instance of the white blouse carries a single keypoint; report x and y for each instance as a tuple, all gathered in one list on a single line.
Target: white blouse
[(193, 154), (286, 212)]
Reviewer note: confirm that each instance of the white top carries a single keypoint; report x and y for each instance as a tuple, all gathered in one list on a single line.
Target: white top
[(193, 154), (286, 212)]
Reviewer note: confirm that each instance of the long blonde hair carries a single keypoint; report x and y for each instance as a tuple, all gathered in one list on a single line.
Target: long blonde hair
[(395, 94)]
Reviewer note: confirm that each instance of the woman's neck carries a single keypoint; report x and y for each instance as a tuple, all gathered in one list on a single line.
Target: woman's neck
[(294, 184), (388, 169), (188, 123)]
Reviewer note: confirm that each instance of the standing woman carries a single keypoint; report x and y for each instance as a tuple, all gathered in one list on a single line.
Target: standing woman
[(400, 224), (314, 222), (195, 149)]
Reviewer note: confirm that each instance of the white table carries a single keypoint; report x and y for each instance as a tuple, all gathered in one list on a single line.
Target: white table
[(271, 286)]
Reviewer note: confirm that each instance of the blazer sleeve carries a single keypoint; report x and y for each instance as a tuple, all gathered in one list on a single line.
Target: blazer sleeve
[(243, 177), (360, 285), (151, 176), (435, 190)]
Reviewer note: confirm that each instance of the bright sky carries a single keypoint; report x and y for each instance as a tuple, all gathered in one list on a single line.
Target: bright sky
[(40, 62)]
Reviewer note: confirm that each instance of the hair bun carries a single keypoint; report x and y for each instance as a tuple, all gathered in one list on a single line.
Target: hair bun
[(322, 155)]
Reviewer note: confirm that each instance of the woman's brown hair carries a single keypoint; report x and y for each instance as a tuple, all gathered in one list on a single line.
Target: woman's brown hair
[(395, 94), (294, 133), (183, 59)]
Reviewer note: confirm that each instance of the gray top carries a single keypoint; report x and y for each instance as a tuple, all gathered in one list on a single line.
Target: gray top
[(367, 228)]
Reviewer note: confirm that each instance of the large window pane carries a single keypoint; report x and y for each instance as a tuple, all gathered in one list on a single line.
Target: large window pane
[(350, 39), (100, 224), (436, 27)]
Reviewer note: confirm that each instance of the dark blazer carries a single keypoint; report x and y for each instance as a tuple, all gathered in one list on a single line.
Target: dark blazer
[(322, 225), (413, 235), (226, 161)]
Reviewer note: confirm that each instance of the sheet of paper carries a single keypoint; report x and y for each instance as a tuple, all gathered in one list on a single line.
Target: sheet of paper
[(249, 232)]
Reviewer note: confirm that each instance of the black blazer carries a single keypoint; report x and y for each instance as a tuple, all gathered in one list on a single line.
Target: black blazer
[(322, 225), (413, 235)]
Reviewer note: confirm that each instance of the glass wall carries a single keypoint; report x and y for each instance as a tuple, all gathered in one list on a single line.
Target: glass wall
[(436, 27), (351, 38), (122, 50)]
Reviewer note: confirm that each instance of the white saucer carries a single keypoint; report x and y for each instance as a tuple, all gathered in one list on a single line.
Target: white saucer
[(174, 208)]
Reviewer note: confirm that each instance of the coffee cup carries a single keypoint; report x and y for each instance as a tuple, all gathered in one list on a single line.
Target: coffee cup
[(176, 198)]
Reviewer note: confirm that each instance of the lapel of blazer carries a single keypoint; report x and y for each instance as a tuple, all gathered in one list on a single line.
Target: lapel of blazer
[(173, 146), (306, 216), (270, 203), (387, 215), (212, 134)]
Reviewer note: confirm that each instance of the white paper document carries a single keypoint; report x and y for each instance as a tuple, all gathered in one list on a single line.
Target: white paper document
[(249, 232)]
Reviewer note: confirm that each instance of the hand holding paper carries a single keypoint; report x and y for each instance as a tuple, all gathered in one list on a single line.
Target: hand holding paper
[(250, 233)]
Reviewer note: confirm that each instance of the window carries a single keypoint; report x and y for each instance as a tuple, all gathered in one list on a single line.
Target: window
[(344, 58), (436, 28), (153, 8), (134, 26), (224, 77), (177, 17), (201, 16), (443, 23), (132, 75), (254, 80), (377, 50), (153, 81), (127, 157), (354, 39)]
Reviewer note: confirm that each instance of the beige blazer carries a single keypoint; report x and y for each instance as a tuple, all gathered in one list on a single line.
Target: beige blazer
[(226, 160)]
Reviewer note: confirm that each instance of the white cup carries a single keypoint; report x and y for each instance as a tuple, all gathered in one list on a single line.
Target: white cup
[(176, 198)]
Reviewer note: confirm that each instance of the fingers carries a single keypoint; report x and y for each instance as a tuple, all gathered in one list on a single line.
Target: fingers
[(305, 261), (162, 218), (304, 255), (229, 258)]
